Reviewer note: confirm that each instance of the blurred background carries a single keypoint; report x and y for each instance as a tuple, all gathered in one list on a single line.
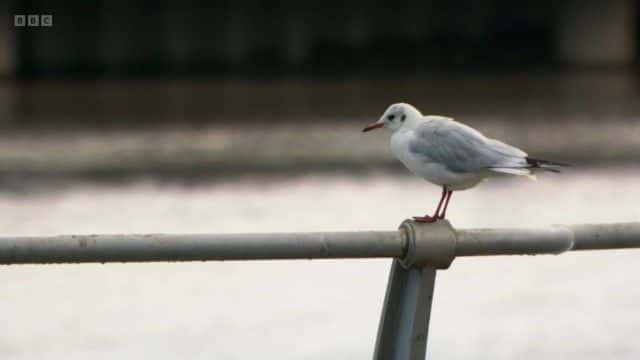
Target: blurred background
[(245, 116)]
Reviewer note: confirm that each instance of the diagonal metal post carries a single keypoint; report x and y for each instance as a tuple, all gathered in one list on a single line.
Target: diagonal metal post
[(404, 325)]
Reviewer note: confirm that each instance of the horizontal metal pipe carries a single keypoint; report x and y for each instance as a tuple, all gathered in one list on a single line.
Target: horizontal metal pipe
[(156, 247), (605, 236), (547, 240), (366, 244)]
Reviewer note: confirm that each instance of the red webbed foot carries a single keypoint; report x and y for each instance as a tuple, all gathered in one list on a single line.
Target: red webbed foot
[(425, 219)]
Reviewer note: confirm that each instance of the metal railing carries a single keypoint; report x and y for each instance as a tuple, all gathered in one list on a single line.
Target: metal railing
[(418, 251)]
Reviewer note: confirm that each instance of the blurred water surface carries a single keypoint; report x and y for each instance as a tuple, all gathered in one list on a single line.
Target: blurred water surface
[(545, 307)]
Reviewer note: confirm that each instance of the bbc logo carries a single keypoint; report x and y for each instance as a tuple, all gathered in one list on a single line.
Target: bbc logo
[(33, 20)]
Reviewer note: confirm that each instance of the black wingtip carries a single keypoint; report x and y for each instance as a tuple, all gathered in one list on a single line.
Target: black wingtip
[(547, 165)]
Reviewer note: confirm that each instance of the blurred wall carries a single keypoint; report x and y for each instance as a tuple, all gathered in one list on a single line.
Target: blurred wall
[(248, 37), (111, 63)]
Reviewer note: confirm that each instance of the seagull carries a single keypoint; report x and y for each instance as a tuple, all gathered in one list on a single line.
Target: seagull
[(450, 154)]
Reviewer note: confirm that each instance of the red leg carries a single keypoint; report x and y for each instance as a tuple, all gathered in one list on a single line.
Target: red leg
[(446, 204), (434, 217)]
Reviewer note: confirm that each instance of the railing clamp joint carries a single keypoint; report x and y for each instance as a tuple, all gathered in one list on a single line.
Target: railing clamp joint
[(428, 244)]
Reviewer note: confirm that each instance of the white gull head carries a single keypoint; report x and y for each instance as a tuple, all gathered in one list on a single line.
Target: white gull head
[(396, 116)]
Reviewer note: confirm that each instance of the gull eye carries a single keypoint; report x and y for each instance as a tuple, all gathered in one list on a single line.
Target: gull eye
[(403, 117), (391, 117)]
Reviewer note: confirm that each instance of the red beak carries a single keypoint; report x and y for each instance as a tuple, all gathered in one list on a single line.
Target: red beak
[(372, 127)]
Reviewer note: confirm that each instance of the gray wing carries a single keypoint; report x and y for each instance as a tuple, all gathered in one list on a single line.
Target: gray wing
[(461, 148)]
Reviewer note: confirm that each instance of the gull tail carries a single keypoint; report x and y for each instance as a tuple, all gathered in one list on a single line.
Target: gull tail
[(515, 171), (545, 165), (527, 169)]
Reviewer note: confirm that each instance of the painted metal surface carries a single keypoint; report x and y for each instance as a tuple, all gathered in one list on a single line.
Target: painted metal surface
[(199, 247), (418, 250), (433, 244), (404, 323)]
